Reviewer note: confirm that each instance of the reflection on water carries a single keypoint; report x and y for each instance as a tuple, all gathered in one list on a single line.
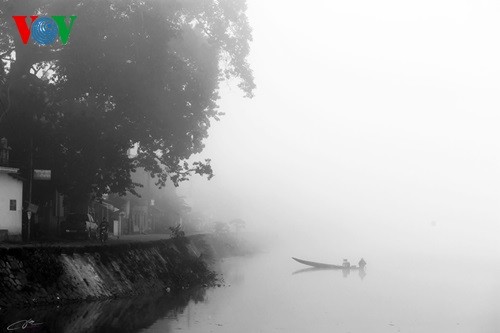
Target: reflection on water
[(362, 273), (266, 293), (345, 272), (118, 315)]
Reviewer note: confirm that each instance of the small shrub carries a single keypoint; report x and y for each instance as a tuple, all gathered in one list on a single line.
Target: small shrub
[(190, 272), (177, 232)]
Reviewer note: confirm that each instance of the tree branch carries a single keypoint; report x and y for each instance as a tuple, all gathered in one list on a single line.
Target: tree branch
[(7, 109), (6, 52)]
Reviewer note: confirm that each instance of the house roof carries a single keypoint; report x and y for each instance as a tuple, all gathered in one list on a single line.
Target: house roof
[(107, 206), (5, 169), (12, 172)]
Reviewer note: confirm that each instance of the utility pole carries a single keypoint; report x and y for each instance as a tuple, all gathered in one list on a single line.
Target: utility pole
[(29, 213)]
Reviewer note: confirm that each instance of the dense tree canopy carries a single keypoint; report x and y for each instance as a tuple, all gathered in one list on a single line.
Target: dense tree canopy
[(134, 73)]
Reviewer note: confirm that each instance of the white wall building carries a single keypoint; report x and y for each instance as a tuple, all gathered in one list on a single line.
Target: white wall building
[(11, 201)]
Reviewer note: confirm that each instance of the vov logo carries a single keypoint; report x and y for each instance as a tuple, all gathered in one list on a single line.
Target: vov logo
[(44, 29)]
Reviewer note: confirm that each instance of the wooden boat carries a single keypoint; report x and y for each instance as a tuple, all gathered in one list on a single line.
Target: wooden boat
[(321, 265)]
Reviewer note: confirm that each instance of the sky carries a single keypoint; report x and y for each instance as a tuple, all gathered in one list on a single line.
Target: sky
[(375, 117)]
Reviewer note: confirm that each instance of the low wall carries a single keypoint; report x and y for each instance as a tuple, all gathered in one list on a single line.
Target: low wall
[(34, 275)]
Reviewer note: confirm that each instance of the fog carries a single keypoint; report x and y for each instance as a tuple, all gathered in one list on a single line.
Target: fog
[(373, 122), (373, 133)]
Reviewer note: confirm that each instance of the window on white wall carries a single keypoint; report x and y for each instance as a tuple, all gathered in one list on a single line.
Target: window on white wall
[(13, 205)]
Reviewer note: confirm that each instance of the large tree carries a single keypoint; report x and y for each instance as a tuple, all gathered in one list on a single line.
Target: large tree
[(134, 73)]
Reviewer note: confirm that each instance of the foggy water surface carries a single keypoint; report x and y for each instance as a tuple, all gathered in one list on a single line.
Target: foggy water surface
[(405, 290), (401, 292)]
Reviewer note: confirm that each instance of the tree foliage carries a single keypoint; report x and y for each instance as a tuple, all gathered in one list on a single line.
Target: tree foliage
[(238, 224), (134, 74)]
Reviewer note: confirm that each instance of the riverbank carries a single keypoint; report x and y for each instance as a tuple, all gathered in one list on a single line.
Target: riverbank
[(36, 275)]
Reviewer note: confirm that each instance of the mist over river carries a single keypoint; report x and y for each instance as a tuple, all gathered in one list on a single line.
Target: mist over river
[(335, 129), (413, 289), (399, 293)]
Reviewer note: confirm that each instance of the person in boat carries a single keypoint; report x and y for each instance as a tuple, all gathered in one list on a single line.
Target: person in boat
[(362, 263), (346, 264)]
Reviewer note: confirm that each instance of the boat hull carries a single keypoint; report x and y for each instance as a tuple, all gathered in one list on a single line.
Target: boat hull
[(322, 265)]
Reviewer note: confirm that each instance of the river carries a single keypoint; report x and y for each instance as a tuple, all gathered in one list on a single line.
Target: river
[(272, 293), (269, 292)]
